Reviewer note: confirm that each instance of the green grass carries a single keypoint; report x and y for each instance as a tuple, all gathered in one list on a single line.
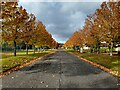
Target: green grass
[(9, 61), (110, 62)]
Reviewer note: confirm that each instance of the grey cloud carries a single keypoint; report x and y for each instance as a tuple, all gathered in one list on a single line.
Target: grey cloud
[(61, 18)]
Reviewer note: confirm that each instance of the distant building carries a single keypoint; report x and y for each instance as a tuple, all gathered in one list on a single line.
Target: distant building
[(86, 47), (60, 45)]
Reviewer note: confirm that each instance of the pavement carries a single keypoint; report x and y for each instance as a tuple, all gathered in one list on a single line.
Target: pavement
[(60, 70)]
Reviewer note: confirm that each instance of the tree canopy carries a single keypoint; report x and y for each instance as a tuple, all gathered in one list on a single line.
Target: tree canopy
[(102, 26), (20, 26)]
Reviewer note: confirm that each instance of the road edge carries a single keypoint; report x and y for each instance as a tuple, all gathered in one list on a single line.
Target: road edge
[(115, 73), (24, 65)]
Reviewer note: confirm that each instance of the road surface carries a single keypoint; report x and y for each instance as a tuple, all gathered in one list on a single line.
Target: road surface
[(59, 70)]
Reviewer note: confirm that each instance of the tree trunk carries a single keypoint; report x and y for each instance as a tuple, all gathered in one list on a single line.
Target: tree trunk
[(26, 48), (118, 49), (98, 49), (118, 52), (20, 48), (39, 49), (34, 48), (91, 49), (111, 49), (98, 46), (14, 48)]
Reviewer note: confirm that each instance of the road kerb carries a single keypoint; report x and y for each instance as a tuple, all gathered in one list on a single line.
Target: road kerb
[(21, 66), (115, 73)]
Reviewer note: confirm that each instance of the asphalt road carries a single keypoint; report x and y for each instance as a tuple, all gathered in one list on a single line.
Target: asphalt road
[(59, 70)]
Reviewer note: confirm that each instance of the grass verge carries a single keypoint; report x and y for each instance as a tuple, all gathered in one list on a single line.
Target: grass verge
[(8, 61), (102, 59)]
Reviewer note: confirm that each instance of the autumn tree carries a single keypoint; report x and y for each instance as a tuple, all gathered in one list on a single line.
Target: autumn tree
[(18, 26), (40, 33), (102, 26), (68, 43), (76, 41), (27, 30), (107, 19), (88, 38), (71, 42), (40, 36), (54, 44), (12, 19)]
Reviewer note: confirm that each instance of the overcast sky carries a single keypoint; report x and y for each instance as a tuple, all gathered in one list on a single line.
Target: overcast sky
[(61, 19)]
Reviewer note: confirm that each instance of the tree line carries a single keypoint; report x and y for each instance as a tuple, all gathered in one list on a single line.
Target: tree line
[(19, 26), (100, 29)]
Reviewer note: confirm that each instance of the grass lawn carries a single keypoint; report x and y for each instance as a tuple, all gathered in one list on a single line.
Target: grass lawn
[(9, 61), (102, 59)]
